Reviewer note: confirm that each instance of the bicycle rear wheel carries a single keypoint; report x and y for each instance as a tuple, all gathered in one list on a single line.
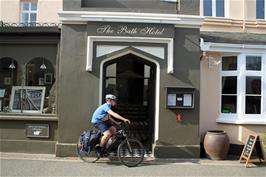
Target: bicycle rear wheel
[(130, 152), (90, 156)]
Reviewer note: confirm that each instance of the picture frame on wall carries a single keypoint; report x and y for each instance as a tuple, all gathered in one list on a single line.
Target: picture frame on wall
[(41, 81), (48, 78)]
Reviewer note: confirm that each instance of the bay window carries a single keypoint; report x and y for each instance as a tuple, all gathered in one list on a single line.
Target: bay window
[(243, 89)]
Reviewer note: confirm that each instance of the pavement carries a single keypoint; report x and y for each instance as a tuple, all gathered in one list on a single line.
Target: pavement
[(19, 164)]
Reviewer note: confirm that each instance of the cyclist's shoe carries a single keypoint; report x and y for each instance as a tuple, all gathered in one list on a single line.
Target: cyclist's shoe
[(104, 152), (98, 150)]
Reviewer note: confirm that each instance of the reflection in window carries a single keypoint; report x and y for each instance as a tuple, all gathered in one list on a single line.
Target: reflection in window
[(229, 85), (253, 63), (260, 9), (40, 72), (228, 104), (37, 74), (8, 78), (229, 94), (253, 85), (229, 63), (253, 95), (214, 8)]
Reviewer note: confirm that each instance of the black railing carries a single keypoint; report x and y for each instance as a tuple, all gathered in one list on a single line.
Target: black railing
[(11, 24)]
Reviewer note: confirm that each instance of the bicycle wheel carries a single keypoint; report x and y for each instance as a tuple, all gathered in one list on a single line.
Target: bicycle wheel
[(90, 156), (130, 152)]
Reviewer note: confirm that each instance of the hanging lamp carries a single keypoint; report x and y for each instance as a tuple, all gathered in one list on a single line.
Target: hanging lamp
[(43, 65)]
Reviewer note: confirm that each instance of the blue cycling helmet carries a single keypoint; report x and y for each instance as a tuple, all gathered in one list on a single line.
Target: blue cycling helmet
[(110, 96)]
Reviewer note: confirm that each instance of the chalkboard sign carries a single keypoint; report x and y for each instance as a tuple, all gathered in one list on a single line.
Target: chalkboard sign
[(251, 144), (27, 99)]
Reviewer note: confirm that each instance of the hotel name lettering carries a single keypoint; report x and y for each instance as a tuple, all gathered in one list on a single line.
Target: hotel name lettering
[(126, 30)]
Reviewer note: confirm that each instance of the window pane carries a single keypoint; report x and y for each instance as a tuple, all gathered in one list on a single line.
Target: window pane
[(219, 8), (253, 63), (253, 104), (33, 6), (229, 85), (260, 9), (32, 17), (207, 7), (25, 17), (26, 6), (228, 104), (253, 85), (229, 63)]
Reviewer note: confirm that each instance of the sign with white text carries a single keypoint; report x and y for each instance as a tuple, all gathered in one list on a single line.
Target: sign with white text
[(130, 29)]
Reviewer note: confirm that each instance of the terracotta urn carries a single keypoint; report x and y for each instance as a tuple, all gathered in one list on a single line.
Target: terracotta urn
[(216, 144)]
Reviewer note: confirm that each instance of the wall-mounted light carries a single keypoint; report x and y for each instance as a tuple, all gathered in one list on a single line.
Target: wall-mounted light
[(43, 65)]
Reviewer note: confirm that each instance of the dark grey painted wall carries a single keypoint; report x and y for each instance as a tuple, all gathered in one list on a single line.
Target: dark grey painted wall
[(79, 92), (186, 74), (13, 137), (23, 46), (189, 7)]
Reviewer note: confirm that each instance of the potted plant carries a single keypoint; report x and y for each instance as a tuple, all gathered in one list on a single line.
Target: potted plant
[(263, 145)]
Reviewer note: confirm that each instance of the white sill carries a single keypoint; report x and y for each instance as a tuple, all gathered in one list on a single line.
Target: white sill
[(241, 121)]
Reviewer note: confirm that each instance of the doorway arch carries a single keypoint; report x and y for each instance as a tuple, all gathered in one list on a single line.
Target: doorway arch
[(131, 74)]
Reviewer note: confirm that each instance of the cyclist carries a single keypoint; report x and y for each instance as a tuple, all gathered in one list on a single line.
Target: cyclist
[(100, 121)]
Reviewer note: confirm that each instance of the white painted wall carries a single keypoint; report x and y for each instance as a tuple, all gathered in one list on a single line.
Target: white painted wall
[(209, 105)]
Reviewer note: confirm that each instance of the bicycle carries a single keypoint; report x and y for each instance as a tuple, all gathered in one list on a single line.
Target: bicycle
[(130, 151)]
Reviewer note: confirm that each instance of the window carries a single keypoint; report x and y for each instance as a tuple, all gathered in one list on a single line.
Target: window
[(243, 88), (214, 8), (27, 87), (29, 13), (260, 9)]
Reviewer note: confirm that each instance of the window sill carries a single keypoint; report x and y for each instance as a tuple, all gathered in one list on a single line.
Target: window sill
[(237, 121), (33, 117)]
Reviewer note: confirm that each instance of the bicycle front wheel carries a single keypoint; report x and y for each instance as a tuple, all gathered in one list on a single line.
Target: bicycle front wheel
[(90, 156), (130, 152)]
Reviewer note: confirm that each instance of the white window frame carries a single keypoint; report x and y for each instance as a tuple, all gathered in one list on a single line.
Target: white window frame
[(240, 117), (226, 9), (27, 23)]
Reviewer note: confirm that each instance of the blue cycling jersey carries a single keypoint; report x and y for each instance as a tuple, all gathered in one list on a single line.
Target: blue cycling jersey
[(100, 113)]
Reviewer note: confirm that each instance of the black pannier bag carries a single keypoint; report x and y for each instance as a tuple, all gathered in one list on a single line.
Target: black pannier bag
[(89, 139)]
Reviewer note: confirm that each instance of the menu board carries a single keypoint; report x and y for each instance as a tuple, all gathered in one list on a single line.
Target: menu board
[(27, 99), (252, 144)]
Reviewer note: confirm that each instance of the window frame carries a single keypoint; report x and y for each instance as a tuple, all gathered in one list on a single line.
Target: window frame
[(214, 10), (240, 117), (29, 12)]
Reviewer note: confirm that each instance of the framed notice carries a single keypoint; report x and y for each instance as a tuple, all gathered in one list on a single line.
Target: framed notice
[(37, 130), (27, 99)]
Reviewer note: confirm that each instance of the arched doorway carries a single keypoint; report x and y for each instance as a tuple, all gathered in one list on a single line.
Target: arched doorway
[(133, 80)]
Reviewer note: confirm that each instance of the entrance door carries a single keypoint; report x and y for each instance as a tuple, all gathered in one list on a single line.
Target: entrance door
[(132, 80)]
